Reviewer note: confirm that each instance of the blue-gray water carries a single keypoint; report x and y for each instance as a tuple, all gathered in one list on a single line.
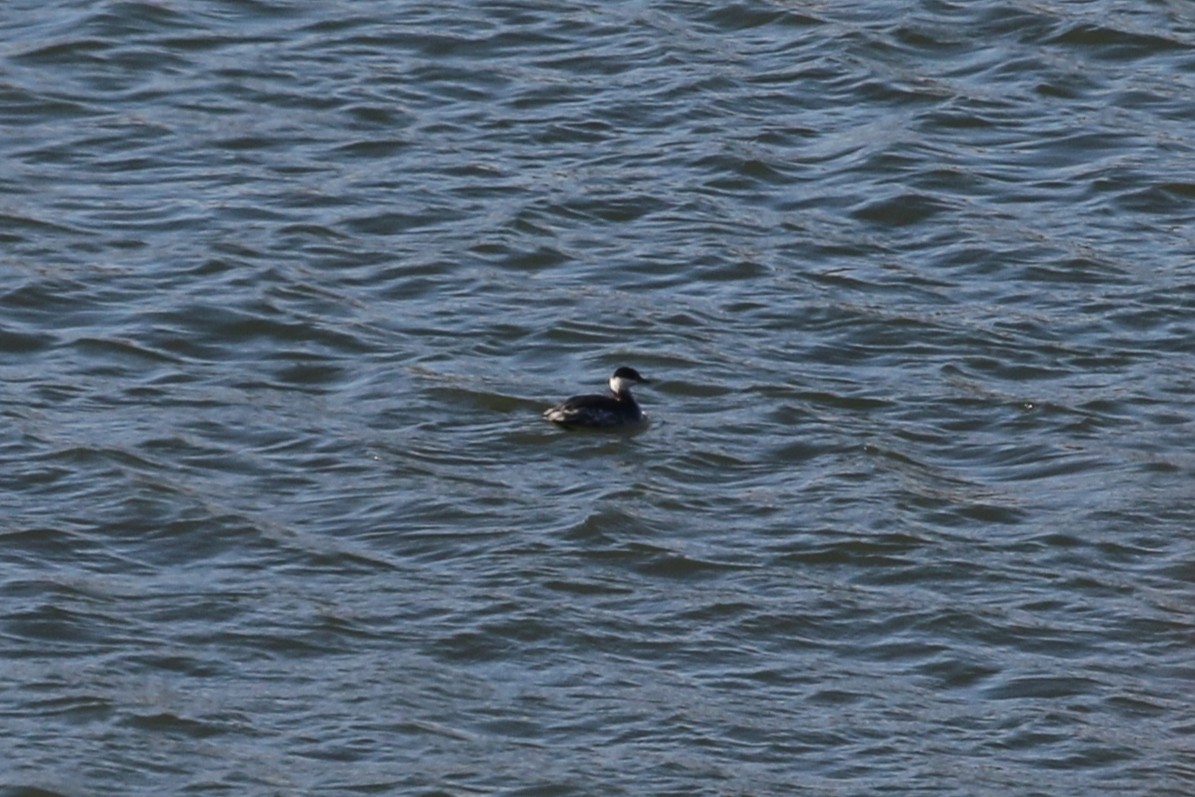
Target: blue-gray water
[(285, 289)]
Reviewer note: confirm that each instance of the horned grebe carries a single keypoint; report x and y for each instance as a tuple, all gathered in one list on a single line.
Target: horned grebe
[(619, 409)]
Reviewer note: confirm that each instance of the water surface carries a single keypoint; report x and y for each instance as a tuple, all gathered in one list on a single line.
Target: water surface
[(287, 287)]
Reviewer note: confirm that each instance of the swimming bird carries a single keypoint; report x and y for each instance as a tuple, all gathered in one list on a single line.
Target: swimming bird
[(617, 410)]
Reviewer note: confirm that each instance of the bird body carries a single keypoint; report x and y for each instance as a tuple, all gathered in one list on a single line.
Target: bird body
[(616, 410)]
